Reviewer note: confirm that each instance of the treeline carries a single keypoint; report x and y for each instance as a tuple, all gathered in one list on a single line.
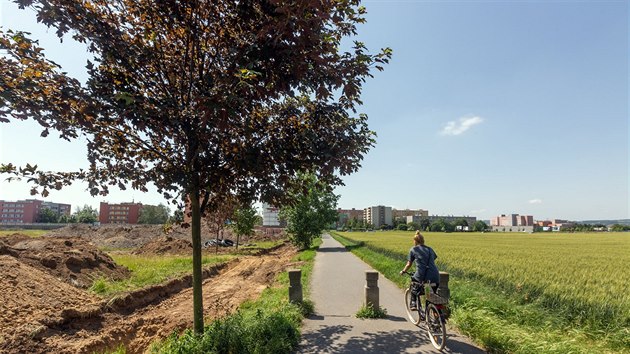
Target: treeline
[(438, 225), (596, 227)]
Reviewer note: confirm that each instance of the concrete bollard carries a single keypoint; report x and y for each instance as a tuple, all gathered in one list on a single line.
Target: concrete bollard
[(295, 285), (371, 289), (443, 289)]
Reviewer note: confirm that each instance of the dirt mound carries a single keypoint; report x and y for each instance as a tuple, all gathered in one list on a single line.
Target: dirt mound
[(31, 299), (139, 318), (73, 260), (166, 245)]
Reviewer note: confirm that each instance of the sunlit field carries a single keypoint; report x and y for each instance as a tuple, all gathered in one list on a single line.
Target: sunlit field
[(582, 279)]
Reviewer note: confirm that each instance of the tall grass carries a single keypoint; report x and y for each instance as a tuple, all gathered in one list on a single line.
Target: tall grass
[(525, 292)]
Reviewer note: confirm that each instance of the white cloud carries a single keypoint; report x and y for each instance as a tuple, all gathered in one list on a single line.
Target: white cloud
[(535, 201), (461, 125)]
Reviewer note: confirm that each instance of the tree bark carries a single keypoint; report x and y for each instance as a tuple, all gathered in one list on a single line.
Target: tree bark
[(196, 243)]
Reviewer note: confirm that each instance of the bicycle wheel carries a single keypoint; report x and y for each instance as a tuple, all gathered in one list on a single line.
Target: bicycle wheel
[(413, 315), (436, 327)]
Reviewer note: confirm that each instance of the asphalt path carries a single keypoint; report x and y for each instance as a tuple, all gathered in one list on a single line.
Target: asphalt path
[(338, 291)]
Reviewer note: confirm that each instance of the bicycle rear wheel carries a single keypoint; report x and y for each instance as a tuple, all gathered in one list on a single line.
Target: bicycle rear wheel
[(413, 315), (436, 327)]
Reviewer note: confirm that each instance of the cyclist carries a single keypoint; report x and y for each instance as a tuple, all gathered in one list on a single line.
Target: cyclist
[(426, 270)]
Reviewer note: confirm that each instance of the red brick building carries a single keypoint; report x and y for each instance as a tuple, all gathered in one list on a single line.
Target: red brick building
[(123, 213), (27, 211)]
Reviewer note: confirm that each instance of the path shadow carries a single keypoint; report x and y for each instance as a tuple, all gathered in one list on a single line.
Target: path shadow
[(325, 340), (332, 249)]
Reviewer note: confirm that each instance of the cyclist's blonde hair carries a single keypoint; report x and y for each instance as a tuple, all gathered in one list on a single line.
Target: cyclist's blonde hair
[(418, 238)]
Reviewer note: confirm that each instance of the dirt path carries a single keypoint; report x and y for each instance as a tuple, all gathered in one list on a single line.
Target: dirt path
[(136, 329)]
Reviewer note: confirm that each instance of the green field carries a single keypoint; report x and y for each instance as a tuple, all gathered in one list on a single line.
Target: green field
[(525, 293), (31, 233)]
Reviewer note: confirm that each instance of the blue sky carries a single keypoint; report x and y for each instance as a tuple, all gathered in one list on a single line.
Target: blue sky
[(487, 108)]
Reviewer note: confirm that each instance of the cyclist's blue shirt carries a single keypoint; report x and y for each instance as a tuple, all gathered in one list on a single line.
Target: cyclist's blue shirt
[(424, 258)]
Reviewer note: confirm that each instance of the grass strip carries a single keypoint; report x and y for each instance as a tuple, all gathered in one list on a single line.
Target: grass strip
[(150, 270)]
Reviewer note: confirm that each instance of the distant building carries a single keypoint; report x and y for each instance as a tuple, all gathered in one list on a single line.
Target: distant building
[(512, 220), (378, 215), (27, 211), (346, 215), (123, 213), (270, 215), (404, 213)]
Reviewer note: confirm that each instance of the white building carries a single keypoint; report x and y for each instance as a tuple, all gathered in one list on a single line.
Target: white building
[(378, 215), (270, 215)]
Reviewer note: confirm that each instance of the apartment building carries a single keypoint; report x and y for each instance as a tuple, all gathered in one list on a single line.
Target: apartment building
[(123, 213), (270, 215), (512, 220), (404, 213), (27, 211), (378, 215)]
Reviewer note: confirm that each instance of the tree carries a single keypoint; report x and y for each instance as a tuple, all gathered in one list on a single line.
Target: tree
[(151, 214), (244, 221), (413, 226), (47, 216), (402, 227), (479, 226), (314, 210), (86, 215), (425, 224), (205, 99), (177, 217)]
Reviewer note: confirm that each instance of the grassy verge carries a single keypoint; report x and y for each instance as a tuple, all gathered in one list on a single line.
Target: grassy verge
[(269, 324), (31, 233), (150, 270), (498, 319)]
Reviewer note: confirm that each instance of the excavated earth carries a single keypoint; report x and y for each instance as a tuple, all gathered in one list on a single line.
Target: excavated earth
[(72, 260), (42, 312)]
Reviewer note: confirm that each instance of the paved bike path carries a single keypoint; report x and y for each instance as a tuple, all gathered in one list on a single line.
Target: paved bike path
[(337, 289)]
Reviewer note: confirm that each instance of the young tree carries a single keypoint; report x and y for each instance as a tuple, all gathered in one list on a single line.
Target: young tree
[(315, 209), (47, 215), (479, 226), (86, 215), (204, 99), (151, 214), (244, 221)]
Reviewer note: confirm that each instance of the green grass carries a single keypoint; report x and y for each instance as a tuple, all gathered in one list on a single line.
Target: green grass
[(150, 270), (269, 324), (524, 293), (368, 311), (31, 233)]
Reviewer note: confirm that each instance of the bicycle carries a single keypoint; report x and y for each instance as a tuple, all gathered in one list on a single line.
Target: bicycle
[(433, 314)]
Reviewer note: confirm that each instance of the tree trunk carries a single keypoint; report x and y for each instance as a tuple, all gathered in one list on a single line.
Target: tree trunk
[(196, 243)]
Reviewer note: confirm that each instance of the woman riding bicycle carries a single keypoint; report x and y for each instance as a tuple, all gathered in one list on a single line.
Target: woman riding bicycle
[(426, 270)]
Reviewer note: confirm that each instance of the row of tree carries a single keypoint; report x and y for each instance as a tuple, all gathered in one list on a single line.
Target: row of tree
[(439, 225)]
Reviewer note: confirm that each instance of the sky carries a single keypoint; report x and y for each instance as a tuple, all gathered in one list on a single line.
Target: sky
[(486, 108)]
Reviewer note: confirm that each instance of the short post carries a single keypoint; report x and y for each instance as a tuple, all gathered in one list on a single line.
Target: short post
[(371, 289), (295, 285), (443, 290)]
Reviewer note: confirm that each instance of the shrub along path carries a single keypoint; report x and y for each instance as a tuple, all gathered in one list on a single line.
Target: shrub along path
[(337, 289)]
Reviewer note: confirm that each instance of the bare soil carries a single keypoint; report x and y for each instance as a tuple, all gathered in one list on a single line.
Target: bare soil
[(41, 314), (73, 260), (166, 245)]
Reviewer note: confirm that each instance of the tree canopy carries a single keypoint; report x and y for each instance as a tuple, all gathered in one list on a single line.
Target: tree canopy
[(314, 209), (154, 214), (205, 99)]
